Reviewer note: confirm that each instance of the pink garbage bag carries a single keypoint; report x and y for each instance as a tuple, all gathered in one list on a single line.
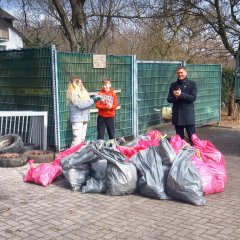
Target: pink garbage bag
[(155, 137), (202, 167), (68, 152), (127, 151), (177, 143), (215, 161), (43, 174), (141, 144), (205, 173)]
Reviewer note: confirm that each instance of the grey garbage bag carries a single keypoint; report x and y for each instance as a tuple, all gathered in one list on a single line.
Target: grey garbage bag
[(76, 176), (184, 181), (83, 155), (121, 178), (99, 169), (76, 167), (167, 154), (149, 165), (110, 154), (94, 186), (97, 182), (166, 151)]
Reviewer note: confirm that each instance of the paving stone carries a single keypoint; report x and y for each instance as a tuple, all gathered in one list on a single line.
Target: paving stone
[(29, 211)]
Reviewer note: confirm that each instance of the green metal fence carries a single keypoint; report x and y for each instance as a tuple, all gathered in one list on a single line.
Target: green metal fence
[(36, 79), (208, 103), (118, 69), (26, 83)]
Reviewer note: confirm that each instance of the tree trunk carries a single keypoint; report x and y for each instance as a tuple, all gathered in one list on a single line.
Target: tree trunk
[(231, 102)]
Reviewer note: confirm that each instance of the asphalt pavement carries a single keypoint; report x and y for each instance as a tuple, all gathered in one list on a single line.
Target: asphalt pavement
[(30, 211)]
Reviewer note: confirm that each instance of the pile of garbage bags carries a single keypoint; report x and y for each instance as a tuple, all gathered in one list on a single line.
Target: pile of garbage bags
[(150, 165)]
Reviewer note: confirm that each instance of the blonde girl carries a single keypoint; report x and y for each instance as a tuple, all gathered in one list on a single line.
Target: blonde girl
[(79, 104)]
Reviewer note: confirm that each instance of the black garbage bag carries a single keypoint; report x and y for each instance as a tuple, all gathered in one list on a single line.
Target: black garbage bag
[(94, 186), (76, 167), (184, 181), (151, 180), (121, 177)]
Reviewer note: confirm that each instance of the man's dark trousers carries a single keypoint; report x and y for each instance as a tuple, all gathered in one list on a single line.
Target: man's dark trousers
[(190, 131)]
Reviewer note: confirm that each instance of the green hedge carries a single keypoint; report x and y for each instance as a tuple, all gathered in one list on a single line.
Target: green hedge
[(227, 78)]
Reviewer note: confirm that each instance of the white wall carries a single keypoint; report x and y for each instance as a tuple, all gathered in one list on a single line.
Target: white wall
[(15, 41)]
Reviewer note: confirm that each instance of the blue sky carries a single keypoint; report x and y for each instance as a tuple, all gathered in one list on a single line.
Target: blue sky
[(10, 6)]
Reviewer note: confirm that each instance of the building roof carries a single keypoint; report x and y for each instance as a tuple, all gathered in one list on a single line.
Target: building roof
[(6, 24), (5, 15), (4, 20)]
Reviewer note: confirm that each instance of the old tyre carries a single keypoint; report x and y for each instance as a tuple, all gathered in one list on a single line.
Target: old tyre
[(11, 143), (40, 156), (12, 160)]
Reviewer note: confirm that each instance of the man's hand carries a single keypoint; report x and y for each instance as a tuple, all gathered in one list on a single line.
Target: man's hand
[(177, 93)]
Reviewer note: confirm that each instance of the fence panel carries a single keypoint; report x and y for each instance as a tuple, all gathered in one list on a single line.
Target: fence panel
[(208, 103), (118, 69), (26, 83), (154, 79)]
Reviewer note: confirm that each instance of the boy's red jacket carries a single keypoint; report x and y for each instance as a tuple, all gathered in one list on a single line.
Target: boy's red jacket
[(109, 97)]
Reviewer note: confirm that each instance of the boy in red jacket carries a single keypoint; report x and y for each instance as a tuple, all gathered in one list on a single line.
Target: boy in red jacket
[(106, 110)]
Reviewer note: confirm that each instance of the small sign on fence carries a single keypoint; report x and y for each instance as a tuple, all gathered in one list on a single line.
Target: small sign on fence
[(99, 61)]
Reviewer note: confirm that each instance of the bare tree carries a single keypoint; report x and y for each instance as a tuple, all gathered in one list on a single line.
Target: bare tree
[(152, 29), (176, 35), (223, 17), (86, 23)]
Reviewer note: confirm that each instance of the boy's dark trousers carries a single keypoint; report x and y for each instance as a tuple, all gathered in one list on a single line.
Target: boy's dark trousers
[(105, 122)]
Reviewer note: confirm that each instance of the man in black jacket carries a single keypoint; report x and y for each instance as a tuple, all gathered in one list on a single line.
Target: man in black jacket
[(182, 94)]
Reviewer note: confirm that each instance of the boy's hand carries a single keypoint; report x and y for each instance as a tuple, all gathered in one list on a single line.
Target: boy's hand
[(109, 105)]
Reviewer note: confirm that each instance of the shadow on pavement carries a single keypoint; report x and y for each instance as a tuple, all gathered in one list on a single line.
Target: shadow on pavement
[(225, 139)]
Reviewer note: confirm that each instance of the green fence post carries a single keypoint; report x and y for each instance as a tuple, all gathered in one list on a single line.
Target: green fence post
[(134, 96), (55, 97)]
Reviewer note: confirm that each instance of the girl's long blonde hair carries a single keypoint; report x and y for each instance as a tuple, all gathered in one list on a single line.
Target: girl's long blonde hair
[(74, 90)]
